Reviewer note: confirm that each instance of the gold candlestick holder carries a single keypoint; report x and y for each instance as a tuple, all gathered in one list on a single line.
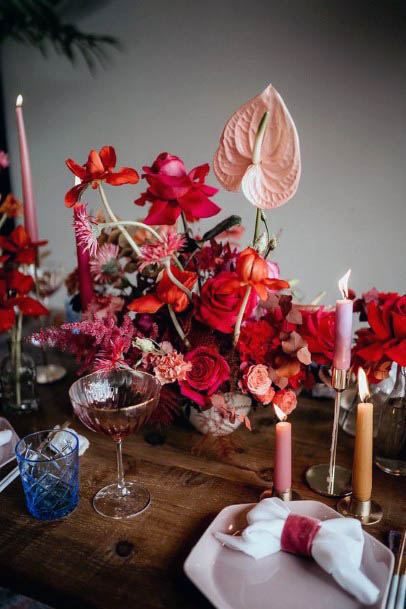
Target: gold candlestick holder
[(288, 495), (367, 512), (330, 479)]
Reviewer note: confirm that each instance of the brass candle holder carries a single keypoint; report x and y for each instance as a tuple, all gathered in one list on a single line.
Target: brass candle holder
[(367, 512), (329, 479), (288, 495)]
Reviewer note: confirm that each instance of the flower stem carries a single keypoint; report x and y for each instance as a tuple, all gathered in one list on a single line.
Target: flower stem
[(244, 303), (176, 281), (178, 327), (120, 223), (257, 226), (120, 469), (17, 360), (112, 216), (185, 224), (3, 219)]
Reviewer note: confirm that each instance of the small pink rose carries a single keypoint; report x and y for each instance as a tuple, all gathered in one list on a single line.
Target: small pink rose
[(286, 400)]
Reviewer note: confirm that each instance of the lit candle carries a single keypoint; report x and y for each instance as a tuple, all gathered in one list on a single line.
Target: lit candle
[(343, 324), (282, 479), (30, 213), (85, 278), (362, 465)]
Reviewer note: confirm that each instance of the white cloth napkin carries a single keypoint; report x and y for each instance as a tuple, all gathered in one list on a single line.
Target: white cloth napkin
[(58, 441), (337, 546), (5, 436)]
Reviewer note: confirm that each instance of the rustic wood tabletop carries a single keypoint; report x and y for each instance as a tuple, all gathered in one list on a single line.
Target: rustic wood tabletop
[(87, 561)]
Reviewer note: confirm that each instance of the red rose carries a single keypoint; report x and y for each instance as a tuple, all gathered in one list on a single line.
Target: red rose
[(318, 330), (399, 317), (286, 400), (209, 371), (220, 303)]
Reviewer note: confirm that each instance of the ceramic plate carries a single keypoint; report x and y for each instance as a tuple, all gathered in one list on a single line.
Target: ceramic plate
[(7, 453), (233, 580)]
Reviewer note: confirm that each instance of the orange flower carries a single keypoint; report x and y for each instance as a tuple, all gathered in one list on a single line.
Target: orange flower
[(11, 206), (166, 293), (253, 270)]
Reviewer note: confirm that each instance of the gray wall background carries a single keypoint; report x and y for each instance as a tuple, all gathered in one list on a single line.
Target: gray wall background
[(185, 68)]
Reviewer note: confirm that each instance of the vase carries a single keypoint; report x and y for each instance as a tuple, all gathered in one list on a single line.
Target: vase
[(390, 445), (212, 421), (18, 381)]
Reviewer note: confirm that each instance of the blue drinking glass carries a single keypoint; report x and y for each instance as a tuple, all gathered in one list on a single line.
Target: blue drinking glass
[(49, 469)]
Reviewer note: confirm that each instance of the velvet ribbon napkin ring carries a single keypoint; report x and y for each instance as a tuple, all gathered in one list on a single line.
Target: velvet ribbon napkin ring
[(336, 545)]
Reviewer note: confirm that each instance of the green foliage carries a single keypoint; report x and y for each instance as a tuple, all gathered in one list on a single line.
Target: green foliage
[(37, 23)]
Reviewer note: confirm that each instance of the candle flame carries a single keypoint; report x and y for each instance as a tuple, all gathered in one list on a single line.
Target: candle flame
[(279, 413), (343, 284), (19, 101), (363, 387)]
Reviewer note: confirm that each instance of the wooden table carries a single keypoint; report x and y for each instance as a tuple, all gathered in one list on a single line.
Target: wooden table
[(88, 561)]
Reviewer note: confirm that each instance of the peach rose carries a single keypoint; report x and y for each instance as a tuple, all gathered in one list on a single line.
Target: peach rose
[(259, 384)]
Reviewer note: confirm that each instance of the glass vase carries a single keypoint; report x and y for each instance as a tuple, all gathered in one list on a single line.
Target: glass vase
[(390, 445), (18, 381)]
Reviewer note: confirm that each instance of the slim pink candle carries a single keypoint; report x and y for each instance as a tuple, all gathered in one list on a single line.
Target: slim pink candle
[(283, 457), (30, 213), (343, 332)]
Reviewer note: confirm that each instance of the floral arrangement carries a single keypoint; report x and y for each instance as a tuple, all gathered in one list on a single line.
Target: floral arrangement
[(213, 321)]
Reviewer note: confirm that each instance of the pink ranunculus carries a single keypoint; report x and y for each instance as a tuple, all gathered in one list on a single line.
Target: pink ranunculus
[(209, 371), (286, 400), (220, 304), (259, 384)]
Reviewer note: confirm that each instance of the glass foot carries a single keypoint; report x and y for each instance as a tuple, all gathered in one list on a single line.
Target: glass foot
[(317, 479), (50, 373), (115, 502), (395, 467)]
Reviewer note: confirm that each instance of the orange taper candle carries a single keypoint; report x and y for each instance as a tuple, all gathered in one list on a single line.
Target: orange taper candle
[(362, 465)]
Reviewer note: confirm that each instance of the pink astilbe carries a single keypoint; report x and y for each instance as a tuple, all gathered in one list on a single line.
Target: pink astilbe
[(156, 252), (83, 225), (105, 266), (171, 367), (113, 357)]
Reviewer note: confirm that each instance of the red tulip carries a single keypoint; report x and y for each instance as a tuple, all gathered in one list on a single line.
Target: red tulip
[(98, 168)]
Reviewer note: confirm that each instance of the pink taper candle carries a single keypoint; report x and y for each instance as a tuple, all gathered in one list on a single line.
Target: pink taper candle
[(343, 333), (283, 457), (85, 278), (30, 212)]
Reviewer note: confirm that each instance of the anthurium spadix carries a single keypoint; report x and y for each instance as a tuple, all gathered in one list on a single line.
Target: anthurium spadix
[(259, 151)]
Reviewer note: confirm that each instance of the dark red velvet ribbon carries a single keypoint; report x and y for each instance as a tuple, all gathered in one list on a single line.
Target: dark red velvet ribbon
[(298, 534)]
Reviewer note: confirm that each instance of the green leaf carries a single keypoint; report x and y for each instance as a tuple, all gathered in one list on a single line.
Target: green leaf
[(221, 226)]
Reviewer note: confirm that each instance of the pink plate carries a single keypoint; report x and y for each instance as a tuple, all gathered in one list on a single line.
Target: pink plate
[(7, 450), (233, 580)]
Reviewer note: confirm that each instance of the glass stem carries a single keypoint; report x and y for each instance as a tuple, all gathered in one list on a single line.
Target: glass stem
[(120, 469)]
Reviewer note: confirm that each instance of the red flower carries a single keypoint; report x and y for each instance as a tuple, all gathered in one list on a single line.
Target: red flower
[(318, 330), (220, 304), (286, 400), (19, 245), (253, 270), (173, 190), (14, 287), (209, 371), (166, 293), (257, 340), (98, 168), (386, 338)]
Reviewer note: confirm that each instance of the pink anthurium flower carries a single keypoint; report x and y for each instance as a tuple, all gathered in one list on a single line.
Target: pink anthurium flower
[(259, 151)]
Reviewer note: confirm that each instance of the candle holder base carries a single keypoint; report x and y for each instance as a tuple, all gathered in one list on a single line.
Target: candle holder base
[(50, 373), (289, 495), (367, 512), (317, 479)]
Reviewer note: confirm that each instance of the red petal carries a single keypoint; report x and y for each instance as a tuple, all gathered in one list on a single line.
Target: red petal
[(145, 304), (6, 319), (163, 212), (198, 205), (125, 175), (26, 256), (373, 353), (76, 169), (276, 284), (29, 306), (19, 236), (199, 172), (94, 165), (20, 283), (73, 195), (399, 325), (108, 157), (398, 353)]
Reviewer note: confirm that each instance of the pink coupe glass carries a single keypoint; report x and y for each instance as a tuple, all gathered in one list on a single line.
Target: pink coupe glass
[(117, 403)]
